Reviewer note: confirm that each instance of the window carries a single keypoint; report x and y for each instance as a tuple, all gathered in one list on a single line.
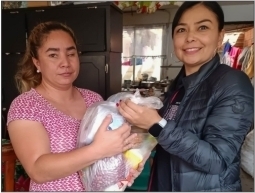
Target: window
[(143, 51)]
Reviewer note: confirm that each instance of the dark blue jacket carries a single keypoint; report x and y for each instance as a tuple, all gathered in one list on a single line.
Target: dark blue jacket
[(212, 121)]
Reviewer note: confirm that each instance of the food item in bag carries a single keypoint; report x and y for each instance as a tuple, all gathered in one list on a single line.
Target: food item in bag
[(104, 174), (111, 174), (93, 118), (135, 156), (247, 154), (108, 171)]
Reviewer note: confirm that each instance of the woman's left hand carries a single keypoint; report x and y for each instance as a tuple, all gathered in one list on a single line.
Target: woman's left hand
[(140, 116), (135, 173)]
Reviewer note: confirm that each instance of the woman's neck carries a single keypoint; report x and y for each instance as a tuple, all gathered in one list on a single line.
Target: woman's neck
[(191, 70), (57, 94)]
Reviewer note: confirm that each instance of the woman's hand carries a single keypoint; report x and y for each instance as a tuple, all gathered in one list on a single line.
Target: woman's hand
[(109, 143), (135, 173), (140, 116)]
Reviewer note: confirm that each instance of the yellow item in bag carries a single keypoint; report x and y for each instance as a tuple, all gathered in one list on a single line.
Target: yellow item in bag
[(133, 157)]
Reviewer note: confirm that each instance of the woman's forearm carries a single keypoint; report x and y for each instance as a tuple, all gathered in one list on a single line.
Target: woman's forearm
[(54, 166)]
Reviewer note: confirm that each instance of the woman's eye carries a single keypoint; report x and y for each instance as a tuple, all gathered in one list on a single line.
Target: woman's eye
[(203, 27), (73, 54), (53, 55), (180, 30)]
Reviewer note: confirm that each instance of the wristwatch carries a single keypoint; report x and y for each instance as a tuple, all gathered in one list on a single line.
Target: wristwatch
[(157, 127), (162, 122)]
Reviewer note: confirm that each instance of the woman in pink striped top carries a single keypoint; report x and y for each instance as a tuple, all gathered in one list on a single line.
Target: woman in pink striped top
[(44, 120)]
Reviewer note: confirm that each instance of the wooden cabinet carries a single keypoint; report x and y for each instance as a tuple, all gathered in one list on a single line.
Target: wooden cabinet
[(88, 25), (100, 72), (9, 89), (13, 31), (98, 29), (92, 74)]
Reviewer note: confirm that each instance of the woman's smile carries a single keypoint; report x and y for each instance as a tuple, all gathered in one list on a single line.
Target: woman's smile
[(192, 50)]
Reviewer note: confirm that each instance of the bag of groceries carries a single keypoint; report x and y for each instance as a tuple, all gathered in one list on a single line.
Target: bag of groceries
[(111, 174), (247, 154)]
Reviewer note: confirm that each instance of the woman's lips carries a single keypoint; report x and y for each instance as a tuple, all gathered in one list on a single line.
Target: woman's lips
[(191, 50), (66, 74)]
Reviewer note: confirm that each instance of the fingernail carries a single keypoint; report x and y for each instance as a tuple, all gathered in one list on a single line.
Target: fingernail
[(108, 116), (117, 104)]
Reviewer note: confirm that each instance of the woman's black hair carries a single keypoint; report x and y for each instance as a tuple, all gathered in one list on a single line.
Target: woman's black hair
[(211, 5)]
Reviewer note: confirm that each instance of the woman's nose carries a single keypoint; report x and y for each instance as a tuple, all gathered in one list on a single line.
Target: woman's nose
[(190, 37), (65, 61)]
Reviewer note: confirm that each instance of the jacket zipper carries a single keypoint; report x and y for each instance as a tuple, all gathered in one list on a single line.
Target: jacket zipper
[(172, 174), (153, 168), (171, 165), (180, 109), (168, 104), (174, 97)]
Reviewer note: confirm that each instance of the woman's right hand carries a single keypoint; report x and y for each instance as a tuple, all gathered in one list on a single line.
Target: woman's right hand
[(112, 142)]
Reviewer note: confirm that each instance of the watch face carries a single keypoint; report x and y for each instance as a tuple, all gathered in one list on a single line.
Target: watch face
[(155, 130)]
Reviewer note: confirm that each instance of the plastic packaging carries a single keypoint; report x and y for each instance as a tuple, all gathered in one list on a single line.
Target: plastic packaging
[(247, 154), (151, 102), (111, 174), (119, 96)]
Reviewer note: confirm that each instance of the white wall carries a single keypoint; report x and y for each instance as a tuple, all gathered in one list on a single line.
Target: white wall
[(233, 11), (239, 12)]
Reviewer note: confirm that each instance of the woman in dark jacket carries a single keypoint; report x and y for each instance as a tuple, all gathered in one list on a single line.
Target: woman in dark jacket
[(207, 112)]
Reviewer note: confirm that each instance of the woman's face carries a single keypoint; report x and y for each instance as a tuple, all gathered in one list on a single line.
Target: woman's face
[(58, 59), (196, 37)]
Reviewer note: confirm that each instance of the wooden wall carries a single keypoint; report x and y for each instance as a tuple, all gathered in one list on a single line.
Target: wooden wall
[(38, 3), (248, 37)]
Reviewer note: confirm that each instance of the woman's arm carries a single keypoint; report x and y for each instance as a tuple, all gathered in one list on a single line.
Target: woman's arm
[(223, 133), (32, 147)]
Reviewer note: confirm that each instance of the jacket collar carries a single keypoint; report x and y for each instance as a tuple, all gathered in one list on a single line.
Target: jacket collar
[(197, 77)]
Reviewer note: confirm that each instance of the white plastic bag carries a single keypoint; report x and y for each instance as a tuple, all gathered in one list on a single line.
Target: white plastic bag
[(119, 96), (151, 102), (111, 174), (247, 154)]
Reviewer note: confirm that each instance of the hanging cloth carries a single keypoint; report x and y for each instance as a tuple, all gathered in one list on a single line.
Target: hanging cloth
[(226, 59), (227, 48), (234, 53), (242, 55), (250, 66)]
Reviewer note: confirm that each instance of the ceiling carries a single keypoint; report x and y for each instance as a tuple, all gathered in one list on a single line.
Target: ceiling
[(222, 3)]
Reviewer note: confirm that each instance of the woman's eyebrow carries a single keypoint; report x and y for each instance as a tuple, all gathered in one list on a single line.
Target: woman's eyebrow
[(198, 22), (52, 49), (71, 48), (204, 20), (57, 49)]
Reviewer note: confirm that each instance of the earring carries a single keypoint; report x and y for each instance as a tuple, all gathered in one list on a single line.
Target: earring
[(37, 71)]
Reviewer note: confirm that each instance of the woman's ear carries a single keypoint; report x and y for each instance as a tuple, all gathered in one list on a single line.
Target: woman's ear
[(221, 37), (36, 63)]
